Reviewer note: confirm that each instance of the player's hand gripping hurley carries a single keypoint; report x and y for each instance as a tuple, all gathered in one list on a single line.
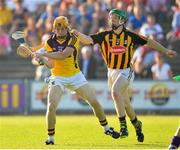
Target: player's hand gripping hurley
[(23, 49)]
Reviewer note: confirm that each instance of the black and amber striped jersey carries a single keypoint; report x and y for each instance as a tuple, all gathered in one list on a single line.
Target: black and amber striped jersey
[(69, 66), (118, 49)]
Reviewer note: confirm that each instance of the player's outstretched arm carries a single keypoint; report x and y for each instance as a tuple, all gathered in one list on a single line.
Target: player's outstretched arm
[(47, 61), (85, 39), (157, 46), (37, 60), (56, 55)]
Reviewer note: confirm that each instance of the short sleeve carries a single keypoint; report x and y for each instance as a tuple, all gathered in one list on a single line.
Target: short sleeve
[(138, 39), (47, 47), (98, 37), (74, 42)]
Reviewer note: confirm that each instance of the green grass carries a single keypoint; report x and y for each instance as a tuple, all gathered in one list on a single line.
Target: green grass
[(83, 132)]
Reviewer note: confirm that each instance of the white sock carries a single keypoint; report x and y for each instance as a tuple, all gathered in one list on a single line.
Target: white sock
[(51, 138), (106, 127)]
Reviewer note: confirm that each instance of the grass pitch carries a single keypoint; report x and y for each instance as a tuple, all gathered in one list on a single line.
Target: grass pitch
[(83, 132)]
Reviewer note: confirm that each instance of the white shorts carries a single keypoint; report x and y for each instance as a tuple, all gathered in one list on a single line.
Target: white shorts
[(72, 83), (113, 74)]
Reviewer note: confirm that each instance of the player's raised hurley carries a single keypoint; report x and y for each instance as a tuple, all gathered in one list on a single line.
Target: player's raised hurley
[(23, 49)]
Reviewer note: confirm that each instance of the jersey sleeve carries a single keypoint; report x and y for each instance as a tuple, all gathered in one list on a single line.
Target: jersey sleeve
[(98, 37), (47, 47), (74, 42), (139, 39)]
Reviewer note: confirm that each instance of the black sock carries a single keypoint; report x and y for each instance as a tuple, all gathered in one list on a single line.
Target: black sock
[(135, 122), (175, 141), (122, 121)]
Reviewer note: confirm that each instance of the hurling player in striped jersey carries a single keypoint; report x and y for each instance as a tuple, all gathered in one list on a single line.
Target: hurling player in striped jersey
[(117, 48)]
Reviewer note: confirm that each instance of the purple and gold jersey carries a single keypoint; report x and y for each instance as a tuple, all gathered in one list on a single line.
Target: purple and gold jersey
[(69, 66)]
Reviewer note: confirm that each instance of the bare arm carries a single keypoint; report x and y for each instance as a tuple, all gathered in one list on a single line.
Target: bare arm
[(157, 46), (170, 73), (47, 61), (84, 39), (39, 23), (154, 76), (57, 55)]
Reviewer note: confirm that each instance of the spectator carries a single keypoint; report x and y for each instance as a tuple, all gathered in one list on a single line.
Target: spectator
[(175, 33), (20, 15), (137, 19), (48, 29), (108, 4), (88, 63), (161, 70), (132, 3), (176, 19), (173, 36), (33, 35), (121, 5), (158, 8), (84, 19), (49, 13), (74, 13), (143, 59), (152, 28), (5, 15), (31, 5), (99, 17), (91, 5), (74, 8), (5, 45), (64, 7)]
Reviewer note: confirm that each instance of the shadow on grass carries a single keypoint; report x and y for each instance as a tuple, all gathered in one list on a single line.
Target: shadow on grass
[(151, 146)]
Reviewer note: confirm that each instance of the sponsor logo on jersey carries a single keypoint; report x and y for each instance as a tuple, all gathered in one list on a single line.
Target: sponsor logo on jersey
[(118, 49)]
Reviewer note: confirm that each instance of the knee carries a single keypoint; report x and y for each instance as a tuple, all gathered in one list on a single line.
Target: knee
[(127, 102), (115, 94), (55, 91), (51, 107), (54, 94), (93, 102), (127, 105)]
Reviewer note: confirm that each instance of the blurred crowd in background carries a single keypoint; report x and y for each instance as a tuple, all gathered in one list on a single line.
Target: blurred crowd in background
[(156, 19)]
